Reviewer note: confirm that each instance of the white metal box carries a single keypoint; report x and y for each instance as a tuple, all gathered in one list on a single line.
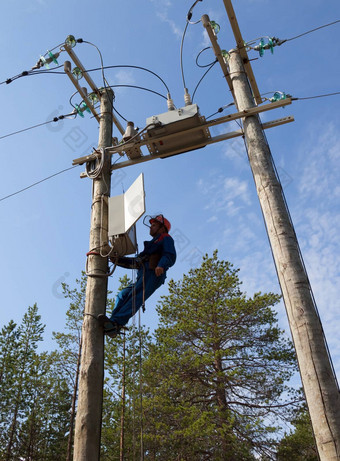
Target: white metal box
[(124, 212)]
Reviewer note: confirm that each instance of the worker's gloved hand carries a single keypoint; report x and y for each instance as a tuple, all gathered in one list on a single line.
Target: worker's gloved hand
[(159, 271), (138, 262)]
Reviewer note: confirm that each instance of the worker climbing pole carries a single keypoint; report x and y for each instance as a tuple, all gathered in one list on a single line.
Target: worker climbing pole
[(158, 256)]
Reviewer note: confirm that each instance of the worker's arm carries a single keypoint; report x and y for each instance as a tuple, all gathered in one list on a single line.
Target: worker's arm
[(168, 257), (127, 263)]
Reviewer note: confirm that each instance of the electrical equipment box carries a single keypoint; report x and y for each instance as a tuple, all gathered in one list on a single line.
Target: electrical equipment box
[(179, 124), (124, 212)]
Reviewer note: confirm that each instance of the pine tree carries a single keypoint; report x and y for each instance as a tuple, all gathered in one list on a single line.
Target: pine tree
[(9, 352), (34, 395), (70, 345), (122, 414), (30, 334), (299, 444), (216, 374)]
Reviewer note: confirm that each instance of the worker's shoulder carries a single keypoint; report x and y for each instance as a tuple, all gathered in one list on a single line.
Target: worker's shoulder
[(164, 236)]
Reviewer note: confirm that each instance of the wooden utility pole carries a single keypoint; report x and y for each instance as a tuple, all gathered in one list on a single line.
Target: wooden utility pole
[(90, 399), (318, 379)]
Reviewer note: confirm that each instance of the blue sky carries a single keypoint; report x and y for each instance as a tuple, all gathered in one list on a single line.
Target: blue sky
[(208, 195)]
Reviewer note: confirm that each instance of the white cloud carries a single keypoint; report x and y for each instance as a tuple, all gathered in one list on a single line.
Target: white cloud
[(227, 194), (324, 154), (173, 26), (162, 7), (124, 77), (317, 223)]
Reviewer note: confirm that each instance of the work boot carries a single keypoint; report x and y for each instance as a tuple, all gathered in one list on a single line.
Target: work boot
[(114, 330), (105, 322)]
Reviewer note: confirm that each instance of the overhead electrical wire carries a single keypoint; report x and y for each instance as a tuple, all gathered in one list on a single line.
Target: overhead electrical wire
[(38, 182), (312, 30), (133, 67), (189, 16), (61, 117), (101, 60), (52, 71), (315, 97), (199, 54), (56, 119), (29, 73), (139, 88), (200, 81), (278, 42), (181, 54), (25, 129), (221, 109)]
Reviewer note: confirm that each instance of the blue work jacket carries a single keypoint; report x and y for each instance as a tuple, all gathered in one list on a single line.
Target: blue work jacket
[(163, 245)]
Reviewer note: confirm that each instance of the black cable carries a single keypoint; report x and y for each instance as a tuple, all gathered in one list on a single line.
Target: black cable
[(312, 30), (36, 183), (139, 88), (200, 80), (134, 67), (181, 53), (101, 60), (56, 119), (221, 109), (314, 97), (28, 73), (120, 115), (189, 16), (25, 129), (51, 49), (205, 65)]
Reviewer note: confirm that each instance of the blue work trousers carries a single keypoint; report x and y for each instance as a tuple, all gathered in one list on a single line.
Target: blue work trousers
[(130, 299)]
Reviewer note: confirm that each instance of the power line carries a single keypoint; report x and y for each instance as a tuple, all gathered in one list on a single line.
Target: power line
[(29, 73), (132, 67), (52, 71), (274, 41), (221, 109), (56, 119), (38, 182), (200, 80), (139, 88), (312, 30), (317, 96)]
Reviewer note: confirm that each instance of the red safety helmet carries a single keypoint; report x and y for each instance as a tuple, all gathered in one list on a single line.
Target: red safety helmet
[(160, 218)]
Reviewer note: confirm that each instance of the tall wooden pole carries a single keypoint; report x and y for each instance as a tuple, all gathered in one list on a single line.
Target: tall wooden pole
[(319, 382), (90, 399)]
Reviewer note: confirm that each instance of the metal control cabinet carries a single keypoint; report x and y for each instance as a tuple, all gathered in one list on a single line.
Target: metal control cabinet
[(176, 123)]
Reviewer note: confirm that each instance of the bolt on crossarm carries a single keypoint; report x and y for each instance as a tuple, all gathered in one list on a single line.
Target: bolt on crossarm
[(90, 399), (317, 375)]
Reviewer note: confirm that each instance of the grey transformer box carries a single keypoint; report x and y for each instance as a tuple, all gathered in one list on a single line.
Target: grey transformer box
[(177, 123)]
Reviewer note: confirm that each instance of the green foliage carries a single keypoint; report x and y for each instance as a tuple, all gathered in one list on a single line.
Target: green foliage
[(34, 395), (217, 370), (205, 386), (299, 445), (121, 406)]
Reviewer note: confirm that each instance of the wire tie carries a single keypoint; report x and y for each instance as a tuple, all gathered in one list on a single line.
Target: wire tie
[(91, 315)]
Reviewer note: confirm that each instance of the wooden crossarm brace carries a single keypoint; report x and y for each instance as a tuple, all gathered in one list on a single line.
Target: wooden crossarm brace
[(243, 52), (227, 118), (91, 83)]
